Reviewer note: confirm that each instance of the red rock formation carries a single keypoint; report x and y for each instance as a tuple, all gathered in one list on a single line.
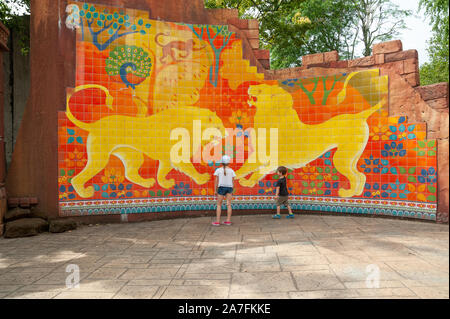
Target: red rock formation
[(33, 169), (4, 34)]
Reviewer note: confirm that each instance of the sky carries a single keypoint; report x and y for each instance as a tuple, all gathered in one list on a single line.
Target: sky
[(418, 32), (419, 29)]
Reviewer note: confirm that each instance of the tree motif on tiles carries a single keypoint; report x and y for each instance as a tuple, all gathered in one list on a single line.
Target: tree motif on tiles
[(103, 24), (218, 38)]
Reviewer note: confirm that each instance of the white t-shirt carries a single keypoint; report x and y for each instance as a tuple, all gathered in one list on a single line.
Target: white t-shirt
[(225, 181)]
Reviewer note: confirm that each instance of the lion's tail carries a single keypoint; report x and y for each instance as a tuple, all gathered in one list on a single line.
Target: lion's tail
[(371, 73), (367, 113), (72, 118)]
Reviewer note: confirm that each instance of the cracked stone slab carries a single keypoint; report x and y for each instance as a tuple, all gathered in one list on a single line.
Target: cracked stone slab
[(150, 273), (262, 282), (195, 292), (257, 258), (317, 280), (136, 292)]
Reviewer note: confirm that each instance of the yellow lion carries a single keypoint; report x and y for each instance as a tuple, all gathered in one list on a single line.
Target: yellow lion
[(129, 138), (300, 144)]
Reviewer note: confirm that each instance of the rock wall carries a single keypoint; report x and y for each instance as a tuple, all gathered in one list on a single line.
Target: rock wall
[(16, 67), (53, 61), (4, 33)]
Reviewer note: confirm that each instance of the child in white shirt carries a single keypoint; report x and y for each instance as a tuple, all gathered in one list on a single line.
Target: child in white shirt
[(223, 185)]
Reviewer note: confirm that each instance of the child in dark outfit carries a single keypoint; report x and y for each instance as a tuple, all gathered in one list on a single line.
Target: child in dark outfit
[(282, 193)]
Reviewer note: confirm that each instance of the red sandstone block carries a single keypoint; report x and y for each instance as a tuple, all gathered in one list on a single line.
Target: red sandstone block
[(402, 55), (433, 91), (313, 59), (365, 61), (238, 23), (339, 64), (252, 34), (438, 104), (265, 63), (443, 181), (283, 73), (2, 159), (3, 209), (2, 86), (268, 76), (392, 67), (388, 47), (13, 202), (314, 65), (24, 202), (254, 43), (412, 78), (444, 127), (253, 24), (296, 72), (226, 14), (331, 56), (4, 35), (318, 65), (379, 58), (262, 54), (411, 65)]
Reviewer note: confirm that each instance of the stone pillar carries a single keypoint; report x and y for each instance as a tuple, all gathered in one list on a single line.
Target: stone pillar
[(4, 35)]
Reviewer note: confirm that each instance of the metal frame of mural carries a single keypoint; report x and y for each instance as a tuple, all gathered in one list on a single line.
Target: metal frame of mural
[(137, 79)]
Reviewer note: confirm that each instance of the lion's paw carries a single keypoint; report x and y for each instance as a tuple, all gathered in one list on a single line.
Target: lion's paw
[(203, 179), (88, 192), (346, 192), (168, 183), (246, 183), (148, 183)]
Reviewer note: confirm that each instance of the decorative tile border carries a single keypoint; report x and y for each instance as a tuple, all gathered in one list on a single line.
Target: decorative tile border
[(307, 203)]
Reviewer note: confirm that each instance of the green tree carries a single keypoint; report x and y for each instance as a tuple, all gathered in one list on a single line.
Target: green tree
[(9, 9), (436, 70), (10, 15), (377, 21), (280, 25), (332, 26), (328, 26), (291, 29)]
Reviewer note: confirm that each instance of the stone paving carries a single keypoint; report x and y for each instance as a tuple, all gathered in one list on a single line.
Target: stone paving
[(311, 256)]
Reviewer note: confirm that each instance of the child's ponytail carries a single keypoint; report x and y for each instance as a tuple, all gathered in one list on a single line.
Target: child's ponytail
[(225, 161)]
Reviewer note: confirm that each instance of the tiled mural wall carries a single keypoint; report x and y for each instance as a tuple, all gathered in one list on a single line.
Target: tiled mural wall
[(138, 79)]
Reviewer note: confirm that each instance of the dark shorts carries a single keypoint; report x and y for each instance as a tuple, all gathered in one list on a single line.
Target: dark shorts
[(282, 200), (225, 190)]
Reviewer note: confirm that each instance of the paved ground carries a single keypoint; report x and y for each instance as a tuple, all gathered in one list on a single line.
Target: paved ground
[(257, 257)]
